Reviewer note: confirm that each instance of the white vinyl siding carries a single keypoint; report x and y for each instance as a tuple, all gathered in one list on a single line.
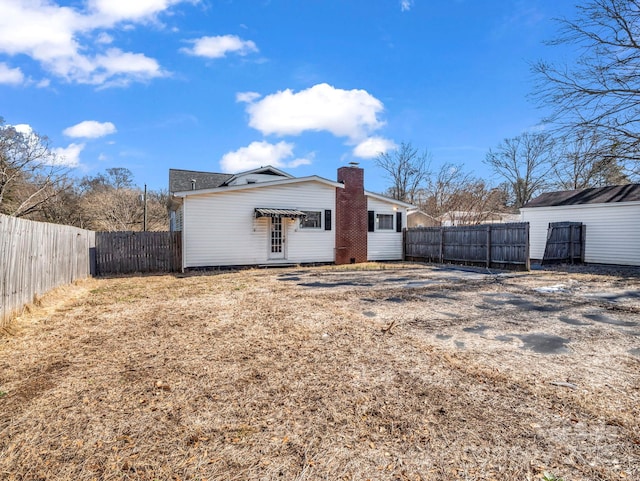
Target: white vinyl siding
[(612, 230), (385, 245), (223, 231)]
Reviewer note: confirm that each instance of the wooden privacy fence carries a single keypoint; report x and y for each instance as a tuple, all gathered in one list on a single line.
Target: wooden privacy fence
[(36, 257), (128, 252), (565, 242), (504, 246)]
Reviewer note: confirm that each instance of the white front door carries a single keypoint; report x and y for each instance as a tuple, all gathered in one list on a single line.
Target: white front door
[(277, 238)]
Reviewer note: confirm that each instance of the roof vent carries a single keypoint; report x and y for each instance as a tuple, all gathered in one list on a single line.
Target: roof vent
[(193, 184)]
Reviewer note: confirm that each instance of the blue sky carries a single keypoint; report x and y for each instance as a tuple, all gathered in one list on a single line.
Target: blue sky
[(306, 85)]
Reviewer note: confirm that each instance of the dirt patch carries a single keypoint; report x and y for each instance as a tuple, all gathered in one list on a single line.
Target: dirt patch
[(376, 372)]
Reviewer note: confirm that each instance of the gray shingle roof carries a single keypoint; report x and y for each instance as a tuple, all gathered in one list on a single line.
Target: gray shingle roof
[(181, 180), (596, 195)]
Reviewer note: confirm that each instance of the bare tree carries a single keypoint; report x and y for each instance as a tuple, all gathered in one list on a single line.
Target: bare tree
[(585, 161), (157, 214), (111, 202), (30, 174), (478, 203), (443, 187), (456, 196), (407, 169), (600, 91), (525, 162)]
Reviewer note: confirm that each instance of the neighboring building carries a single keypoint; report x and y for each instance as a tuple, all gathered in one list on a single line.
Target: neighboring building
[(464, 217), (266, 216), (611, 216), (418, 218)]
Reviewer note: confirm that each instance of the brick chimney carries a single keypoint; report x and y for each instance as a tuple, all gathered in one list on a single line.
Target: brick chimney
[(351, 216)]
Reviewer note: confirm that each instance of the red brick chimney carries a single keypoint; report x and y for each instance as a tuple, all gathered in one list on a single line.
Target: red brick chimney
[(351, 216)]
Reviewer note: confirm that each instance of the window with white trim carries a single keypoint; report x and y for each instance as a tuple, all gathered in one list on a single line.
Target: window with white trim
[(313, 220), (384, 222)]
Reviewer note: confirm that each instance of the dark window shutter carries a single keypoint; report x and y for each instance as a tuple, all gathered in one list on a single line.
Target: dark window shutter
[(398, 221), (372, 221), (327, 220)]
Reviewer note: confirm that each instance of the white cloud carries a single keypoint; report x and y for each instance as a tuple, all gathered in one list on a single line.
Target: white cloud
[(104, 38), (372, 147), (11, 76), (67, 156), (59, 38), (344, 113), (247, 97), (120, 68), (405, 5), (24, 129), (301, 161), (220, 46), (258, 154), (90, 129), (109, 11)]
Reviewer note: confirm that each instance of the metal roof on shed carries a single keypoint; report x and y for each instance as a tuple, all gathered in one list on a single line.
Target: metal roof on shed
[(596, 195)]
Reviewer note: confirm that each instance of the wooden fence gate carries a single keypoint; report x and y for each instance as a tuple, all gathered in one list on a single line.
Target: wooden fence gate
[(503, 246), (565, 242), (128, 252)]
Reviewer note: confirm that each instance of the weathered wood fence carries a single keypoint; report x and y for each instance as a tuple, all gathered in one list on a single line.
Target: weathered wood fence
[(128, 252), (503, 246), (36, 257), (565, 243)]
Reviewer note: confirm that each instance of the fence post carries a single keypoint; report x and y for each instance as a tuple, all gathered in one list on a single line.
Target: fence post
[(404, 244), (488, 245), (571, 243), (527, 257), (441, 245)]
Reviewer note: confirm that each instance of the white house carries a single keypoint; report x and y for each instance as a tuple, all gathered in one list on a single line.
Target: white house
[(418, 218), (611, 216), (266, 216), (469, 217)]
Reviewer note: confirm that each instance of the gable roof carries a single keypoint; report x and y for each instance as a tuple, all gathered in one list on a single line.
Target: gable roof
[(417, 211), (268, 170), (596, 195), (181, 180), (259, 185), (390, 200)]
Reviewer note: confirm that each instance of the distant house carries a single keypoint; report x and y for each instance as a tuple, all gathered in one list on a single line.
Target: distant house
[(611, 216), (418, 218), (267, 216), (465, 217)]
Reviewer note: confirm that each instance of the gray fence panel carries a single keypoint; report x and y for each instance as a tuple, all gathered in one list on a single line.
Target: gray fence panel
[(565, 242), (489, 245), (144, 252)]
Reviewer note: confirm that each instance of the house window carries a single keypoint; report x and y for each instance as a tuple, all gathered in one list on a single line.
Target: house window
[(313, 220), (384, 222)]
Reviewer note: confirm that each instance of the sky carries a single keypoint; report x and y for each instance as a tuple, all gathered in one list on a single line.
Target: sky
[(307, 86)]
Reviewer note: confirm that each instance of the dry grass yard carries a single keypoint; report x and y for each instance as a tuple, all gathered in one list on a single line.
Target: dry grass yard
[(375, 372)]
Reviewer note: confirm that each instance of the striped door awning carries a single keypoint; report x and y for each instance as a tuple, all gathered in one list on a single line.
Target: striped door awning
[(289, 213)]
